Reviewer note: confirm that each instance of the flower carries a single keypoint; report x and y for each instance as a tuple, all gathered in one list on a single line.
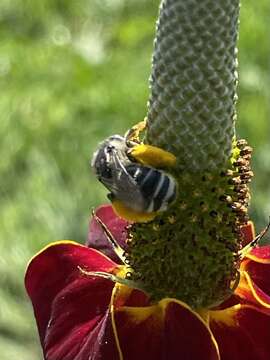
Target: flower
[(82, 316)]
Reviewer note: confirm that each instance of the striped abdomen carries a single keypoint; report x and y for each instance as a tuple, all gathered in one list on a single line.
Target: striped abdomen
[(158, 188)]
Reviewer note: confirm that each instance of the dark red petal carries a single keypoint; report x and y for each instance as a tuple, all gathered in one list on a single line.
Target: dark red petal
[(138, 299), (250, 293), (117, 226), (231, 301), (168, 330), (248, 233), (260, 274), (242, 332), (260, 254), (257, 265), (72, 308), (126, 296)]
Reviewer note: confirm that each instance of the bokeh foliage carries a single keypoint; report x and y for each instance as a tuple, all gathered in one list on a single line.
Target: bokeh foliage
[(72, 73)]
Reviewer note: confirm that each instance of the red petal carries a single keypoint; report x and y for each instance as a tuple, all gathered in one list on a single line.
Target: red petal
[(257, 265), (248, 233), (117, 226), (138, 299), (71, 308), (260, 254), (249, 292), (168, 330), (242, 332), (126, 296)]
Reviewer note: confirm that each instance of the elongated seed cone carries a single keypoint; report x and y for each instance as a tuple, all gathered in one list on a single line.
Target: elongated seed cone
[(191, 109), (191, 251)]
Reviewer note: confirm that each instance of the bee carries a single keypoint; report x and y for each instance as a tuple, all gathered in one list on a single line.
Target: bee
[(138, 191)]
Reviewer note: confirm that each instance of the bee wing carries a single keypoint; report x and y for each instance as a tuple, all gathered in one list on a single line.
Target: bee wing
[(119, 164), (126, 187)]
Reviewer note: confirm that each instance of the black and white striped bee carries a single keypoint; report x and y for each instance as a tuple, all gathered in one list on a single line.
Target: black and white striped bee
[(141, 188)]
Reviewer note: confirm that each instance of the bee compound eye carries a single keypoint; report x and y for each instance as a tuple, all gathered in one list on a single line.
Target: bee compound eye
[(109, 148)]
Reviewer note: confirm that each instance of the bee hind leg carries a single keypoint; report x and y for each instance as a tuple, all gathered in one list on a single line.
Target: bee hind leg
[(147, 154), (131, 215), (133, 134), (150, 155)]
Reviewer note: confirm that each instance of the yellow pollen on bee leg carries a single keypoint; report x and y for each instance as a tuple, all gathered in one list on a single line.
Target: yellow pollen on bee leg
[(131, 215), (153, 156)]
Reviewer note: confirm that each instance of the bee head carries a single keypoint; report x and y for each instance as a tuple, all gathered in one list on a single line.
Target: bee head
[(102, 160)]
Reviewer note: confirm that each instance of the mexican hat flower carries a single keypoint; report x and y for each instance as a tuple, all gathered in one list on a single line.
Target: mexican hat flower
[(189, 282), (91, 317)]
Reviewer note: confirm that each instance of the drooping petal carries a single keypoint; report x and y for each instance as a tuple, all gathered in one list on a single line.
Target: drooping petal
[(260, 275), (167, 330), (242, 332), (250, 293), (71, 308), (248, 233), (260, 254), (254, 285), (127, 296), (116, 225)]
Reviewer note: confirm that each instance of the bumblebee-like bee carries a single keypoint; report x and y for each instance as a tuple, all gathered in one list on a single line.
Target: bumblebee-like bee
[(127, 168)]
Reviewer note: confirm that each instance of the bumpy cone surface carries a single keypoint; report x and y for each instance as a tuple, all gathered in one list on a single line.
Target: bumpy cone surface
[(193, 82), (191, 251)]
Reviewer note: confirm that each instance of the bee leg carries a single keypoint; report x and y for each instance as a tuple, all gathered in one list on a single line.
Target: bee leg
[(116, 247), (152, 156), (133, 134), (111, 197), (255, 241), (129, 214), (147, 154)]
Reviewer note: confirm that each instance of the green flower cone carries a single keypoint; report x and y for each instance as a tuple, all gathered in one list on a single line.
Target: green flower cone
[(193, 82), (191, 252)]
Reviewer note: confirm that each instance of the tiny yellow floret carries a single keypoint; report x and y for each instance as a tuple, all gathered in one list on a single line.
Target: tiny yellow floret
[(153, 156), (128, 214)]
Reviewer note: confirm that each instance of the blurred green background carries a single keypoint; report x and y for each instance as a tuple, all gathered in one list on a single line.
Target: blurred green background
[(72, 73)]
